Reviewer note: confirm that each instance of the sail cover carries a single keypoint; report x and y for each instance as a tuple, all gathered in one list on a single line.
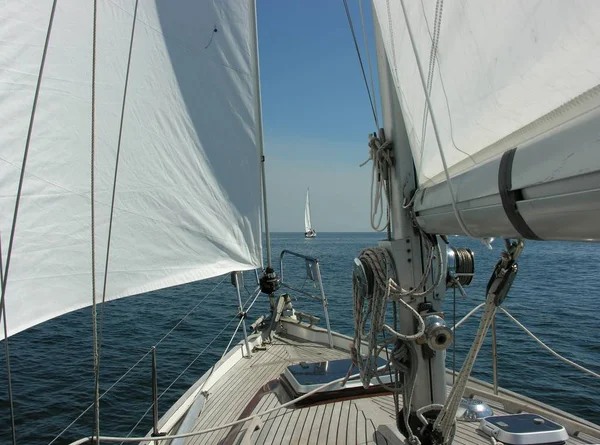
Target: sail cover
[(307, 223), (187, 203), (497, 73)]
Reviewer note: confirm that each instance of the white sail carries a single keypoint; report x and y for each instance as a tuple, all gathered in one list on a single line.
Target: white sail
[(307, 223), (498, 73), (187, 196)]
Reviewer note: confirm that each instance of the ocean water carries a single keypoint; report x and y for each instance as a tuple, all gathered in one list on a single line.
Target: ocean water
[(555, 295)]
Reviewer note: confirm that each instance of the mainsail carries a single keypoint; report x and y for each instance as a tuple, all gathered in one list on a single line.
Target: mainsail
[(307, 223), (498, 74), (187, 204)]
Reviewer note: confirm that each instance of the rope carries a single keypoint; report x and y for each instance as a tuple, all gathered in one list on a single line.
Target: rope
[(379, 261), (381, 155), (435, 126), (462, 320), (138, 362), (362, 67), (398, 291), (547, 348), (447, 417), (532, 335), (497, 289), (219, 427), (432, 58)]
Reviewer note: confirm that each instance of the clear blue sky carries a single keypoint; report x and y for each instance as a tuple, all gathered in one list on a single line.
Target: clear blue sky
[(316, 113)]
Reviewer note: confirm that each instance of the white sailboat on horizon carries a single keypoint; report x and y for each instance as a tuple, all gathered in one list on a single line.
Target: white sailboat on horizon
[(309, 232)]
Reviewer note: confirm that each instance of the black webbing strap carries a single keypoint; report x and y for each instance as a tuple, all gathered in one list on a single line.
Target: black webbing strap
[(510, 197)]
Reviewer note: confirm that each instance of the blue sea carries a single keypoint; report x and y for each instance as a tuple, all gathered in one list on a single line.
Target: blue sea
[(555, 295)]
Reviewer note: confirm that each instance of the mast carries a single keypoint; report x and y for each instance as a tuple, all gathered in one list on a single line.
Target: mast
[(406, 245), (259, 127)]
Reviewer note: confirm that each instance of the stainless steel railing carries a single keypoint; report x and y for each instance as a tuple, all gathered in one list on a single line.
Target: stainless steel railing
[(314, 274)]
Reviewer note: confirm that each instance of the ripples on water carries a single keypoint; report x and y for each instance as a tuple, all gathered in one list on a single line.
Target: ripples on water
[(555, 295)]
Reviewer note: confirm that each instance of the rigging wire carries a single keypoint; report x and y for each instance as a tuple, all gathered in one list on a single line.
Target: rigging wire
[(368, 53), (237, 328), (223, 426), (258, 293), (212, 369), (454, 332), (360, 61), (96, 352), (7, 359), (140, 360), (8, 373), (4, 272), (457, 213), (114, 190), (180, 374), (199, 354), (432, 59)]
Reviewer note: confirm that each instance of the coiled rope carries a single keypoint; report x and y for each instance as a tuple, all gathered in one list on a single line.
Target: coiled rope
[(379, 261), (380, 152), (371, 310)]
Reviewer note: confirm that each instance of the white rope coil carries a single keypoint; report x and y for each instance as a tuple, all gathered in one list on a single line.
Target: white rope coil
[(381, 155), (379, 261)]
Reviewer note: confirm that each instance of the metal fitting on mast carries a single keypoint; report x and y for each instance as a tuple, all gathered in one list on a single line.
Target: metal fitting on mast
[(269, 281)]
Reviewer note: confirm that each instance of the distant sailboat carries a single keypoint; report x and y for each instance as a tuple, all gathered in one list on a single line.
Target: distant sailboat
[(309, 232)]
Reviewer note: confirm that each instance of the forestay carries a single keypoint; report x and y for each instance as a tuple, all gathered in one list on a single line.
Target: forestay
[(491, 69), (187, 201)]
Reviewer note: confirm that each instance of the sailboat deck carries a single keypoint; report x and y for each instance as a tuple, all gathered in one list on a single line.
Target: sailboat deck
[(237, 395)]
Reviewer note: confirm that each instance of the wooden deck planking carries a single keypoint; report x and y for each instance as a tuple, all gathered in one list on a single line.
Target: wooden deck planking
[(349, 421)]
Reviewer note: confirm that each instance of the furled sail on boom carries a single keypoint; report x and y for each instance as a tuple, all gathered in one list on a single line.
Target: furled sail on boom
[(498, 74), (187, 204)]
